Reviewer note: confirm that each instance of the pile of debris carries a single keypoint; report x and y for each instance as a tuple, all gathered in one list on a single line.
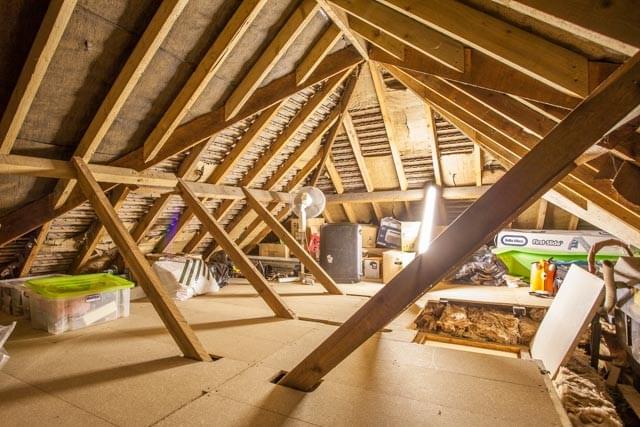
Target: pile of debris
[(480, 323)]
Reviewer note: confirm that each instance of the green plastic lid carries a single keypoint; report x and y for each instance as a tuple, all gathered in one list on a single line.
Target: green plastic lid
[(77, 286)]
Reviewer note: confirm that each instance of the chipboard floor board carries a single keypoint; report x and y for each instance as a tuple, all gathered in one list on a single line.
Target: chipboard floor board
[(127, 372)]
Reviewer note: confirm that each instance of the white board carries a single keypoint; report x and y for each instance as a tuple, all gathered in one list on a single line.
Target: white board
[(577, 301)]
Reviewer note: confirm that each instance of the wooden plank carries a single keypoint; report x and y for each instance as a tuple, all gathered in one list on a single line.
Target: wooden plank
[(483, 71), (318, 52), (612, 24), (270, 56), (33, 71), (31, 257), (549, 161), (573, 223), (148, 220), (239, 259), (542, 214), (354, 141), (97, 231), (236, 27), (477, 164), (392, 135), (632, 397), (307, 260), (541, 59), (576, 303), (326, 152), (142, 271), (395, 196), (432, 43), (339, 18), (433, 144), (129, 76), (382, 40)]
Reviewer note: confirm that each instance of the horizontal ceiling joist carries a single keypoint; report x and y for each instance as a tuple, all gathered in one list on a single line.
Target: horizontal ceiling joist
[(392, 196), (59, 169)]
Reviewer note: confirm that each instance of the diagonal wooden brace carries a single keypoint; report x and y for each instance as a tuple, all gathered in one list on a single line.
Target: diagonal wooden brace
[(144, 274), (245, 265), (304, 257), (546, 164)]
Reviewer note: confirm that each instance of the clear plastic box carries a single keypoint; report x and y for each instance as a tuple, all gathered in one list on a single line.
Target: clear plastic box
[(59, 315), (68, 303)]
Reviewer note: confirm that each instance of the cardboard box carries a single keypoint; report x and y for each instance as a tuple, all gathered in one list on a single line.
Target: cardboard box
[(369, 235), (393, 262), (396, 234), (372, 268), (556, 240), (273, 250)]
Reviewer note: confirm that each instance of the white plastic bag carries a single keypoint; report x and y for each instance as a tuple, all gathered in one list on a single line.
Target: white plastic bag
[(186, 279), (5, 331)]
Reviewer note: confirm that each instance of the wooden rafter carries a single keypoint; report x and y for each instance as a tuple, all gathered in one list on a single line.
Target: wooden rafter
[(276, 147), (433, 145), (318, 52), (521, 186), (392, 135), (127, 79), (339, 19), (145, 276), (32, 254), (477, 164), (270, 56), (239, 259), (382, 40), (221, 170), (430, 42), (41, 53), (301, 253), (97, 231), (208, 67), (393, 196), (336, 180), (542, 214), (326, 153), (198, 131), (483, 71), (545, 61), (509, 142)]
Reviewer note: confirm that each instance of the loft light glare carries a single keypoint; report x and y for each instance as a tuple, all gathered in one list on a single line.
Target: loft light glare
[(428, 217)]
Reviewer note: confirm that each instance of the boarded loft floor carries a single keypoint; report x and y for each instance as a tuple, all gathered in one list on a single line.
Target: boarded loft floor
[(127, 372)]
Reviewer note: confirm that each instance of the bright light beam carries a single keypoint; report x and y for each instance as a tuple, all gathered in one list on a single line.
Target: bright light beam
[(428, 218)]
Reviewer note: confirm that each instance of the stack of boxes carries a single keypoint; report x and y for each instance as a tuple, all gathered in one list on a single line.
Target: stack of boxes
[(392, 249)]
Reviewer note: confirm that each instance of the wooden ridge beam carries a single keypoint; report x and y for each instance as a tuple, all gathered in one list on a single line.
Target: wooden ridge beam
[(325, 280), (33, 71), (197, 131), (208, 67), (483, 71), (270, 56), (140, 267), (438, 46), (318, 52), (240, 260), (96, 232), (531, 177), (543, 60)]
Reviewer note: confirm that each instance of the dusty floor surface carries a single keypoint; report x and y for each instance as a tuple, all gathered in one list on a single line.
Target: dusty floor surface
[(129, 372)]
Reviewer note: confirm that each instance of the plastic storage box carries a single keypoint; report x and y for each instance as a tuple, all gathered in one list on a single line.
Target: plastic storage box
[(61, 304)]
